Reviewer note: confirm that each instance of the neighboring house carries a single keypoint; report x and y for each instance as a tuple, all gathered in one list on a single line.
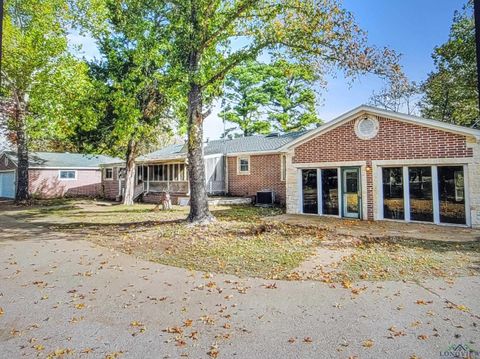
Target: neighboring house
[(54, 174), (369, 163)]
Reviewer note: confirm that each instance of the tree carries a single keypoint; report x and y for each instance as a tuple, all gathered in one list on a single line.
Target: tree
[(291, 106), (130, 81), (400, 95), (318, 33), (245, 94), (451, 92), (277, 96), (43, 85)]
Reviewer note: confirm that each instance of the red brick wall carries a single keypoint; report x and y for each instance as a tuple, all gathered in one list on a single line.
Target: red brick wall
[(395, 140), (264, 174)]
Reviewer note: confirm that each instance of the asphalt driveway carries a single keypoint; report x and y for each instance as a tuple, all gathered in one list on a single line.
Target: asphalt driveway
[(63, 296)]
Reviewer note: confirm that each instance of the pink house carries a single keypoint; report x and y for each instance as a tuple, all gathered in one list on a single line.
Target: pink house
[(55, 174)]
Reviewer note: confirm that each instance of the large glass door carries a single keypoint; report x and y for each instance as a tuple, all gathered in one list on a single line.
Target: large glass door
[(351, 200), (310, 191)]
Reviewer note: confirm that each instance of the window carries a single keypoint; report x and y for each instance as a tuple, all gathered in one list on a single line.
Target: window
[(330, 191), (451, 190), (108, 173), (421, 194), (244, 165), (283, 168), (174, 172), (68, 175), (122, 172), (393, 203), (366, 128), (310, 191)]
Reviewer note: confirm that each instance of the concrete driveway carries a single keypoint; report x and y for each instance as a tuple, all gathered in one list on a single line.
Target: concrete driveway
[(61, 295)]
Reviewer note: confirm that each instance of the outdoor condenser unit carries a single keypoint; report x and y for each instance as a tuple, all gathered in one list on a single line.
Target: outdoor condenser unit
[(265, 198)]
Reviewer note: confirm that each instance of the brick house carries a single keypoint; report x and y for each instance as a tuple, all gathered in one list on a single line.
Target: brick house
[(54, 174), (368, 164), (237, 167), (381, 165)]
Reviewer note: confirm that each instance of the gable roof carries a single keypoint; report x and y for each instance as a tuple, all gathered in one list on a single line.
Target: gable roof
[(364, 109), (248, 144), (62, 160)]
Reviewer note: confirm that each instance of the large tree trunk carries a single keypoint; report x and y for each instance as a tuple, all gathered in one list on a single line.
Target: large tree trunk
[(199, 212), (22, 196), (130, 173)]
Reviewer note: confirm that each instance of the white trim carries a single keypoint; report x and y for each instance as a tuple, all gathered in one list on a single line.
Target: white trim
[(319, 192), (423, 162), (300, 190), (67, 179), (239, 171), (466, 196), (435, 196), (406, 194), (3, 171), (104, 174), (283, 167), (379, 190), (466, 131)]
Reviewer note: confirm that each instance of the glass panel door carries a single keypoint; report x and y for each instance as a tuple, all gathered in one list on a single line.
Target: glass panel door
[(421, 199), (330, 191), (351, 192), (309, 189), (393, 203), (451, 191)]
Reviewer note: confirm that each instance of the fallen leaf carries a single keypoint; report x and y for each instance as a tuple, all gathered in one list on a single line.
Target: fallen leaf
[(213, 351), (367, 343), (188, 323)]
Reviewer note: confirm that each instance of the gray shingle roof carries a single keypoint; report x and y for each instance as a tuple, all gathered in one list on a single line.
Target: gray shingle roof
[(64, 160), (257, 143)]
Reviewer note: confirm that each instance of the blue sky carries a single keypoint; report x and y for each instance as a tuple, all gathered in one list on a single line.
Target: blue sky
[(410, 27)]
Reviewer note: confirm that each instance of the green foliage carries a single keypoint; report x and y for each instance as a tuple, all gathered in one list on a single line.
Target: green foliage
[(129, 75), (316, 33), (246, 96), (277, 96), (40, 76), (451, 92), (292, 98)]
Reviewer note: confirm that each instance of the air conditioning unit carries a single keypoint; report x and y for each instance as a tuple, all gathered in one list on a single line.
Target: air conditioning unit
[(265, 198)]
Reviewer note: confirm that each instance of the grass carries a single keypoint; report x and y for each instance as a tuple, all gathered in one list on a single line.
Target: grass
[(240, 242), (409, 259), (244, 242)]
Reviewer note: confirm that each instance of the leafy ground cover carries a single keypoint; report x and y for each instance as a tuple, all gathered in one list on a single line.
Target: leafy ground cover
[(245, 241)]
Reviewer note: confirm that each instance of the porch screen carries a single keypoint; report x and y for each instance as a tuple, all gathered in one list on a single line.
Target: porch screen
[(309, 188), (393, 203), (451, 192)]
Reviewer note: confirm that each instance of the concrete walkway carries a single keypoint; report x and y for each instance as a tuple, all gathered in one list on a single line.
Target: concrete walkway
[(62, 294), (382, 229)]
